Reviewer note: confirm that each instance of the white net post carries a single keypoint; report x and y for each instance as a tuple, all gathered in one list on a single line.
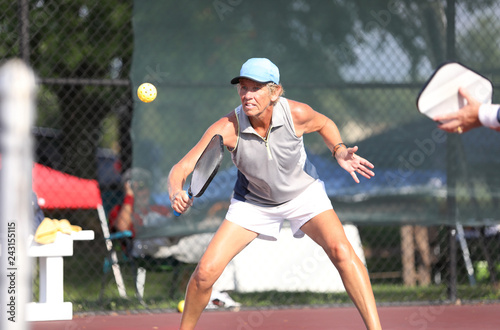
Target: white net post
[(17, 95)]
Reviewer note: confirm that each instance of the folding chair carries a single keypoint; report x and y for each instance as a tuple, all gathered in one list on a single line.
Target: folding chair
[(119, 253), (118, 247)]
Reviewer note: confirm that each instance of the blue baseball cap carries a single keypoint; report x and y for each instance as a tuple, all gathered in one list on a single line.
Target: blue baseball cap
[(258, 69)]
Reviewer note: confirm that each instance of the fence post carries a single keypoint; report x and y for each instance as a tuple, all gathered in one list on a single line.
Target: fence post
[(17, 89), (451, 159), (24, 37)]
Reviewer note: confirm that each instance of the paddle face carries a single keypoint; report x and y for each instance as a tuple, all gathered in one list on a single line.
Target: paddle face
[(207, 166), (440, 93)]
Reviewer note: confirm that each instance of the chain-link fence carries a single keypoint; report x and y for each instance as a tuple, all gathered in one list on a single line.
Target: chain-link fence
[(426, 227)]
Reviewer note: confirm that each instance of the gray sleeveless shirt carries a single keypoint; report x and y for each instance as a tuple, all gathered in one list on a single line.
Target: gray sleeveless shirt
[(271, 170)]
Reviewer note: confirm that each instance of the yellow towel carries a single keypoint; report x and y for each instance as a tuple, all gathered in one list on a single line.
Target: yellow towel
[(48, 228), (66, 228), (46, 231)]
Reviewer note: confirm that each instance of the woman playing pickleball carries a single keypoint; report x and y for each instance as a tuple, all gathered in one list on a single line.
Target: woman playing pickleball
[(275, 182)]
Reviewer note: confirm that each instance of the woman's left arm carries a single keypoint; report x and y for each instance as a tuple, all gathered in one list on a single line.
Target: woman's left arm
[(306, 120)]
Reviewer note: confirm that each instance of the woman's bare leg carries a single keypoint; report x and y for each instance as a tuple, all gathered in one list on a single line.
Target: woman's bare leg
[(227, 242), (326, 230)]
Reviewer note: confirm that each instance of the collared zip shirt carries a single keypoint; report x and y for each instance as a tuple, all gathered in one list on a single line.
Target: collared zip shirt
[(274, 169)]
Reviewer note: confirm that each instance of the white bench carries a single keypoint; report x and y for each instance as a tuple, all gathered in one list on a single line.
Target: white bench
[(51, 305)]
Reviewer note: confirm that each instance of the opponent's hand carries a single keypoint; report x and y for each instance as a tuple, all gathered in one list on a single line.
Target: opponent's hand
[(353, 163), (180, 201), (464, 119)]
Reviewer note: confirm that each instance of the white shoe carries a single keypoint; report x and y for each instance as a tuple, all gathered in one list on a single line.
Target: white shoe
[(211, 305), (222, 299)]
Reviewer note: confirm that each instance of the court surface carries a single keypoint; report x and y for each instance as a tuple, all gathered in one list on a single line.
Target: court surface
[(440, 317)]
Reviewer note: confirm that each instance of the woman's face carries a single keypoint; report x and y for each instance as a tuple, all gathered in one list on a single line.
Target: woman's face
[(255, 97)]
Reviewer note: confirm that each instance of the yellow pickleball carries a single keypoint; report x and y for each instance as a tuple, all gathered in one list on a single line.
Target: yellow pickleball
[(146, 92), (180, 306)]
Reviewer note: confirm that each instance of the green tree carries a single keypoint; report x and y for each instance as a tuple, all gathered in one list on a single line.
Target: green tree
[(78, 50)]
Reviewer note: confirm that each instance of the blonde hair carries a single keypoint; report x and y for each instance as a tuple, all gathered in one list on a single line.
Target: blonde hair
[(273, 87)]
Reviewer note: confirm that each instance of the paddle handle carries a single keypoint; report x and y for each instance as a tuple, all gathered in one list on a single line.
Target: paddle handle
[(177, 213)]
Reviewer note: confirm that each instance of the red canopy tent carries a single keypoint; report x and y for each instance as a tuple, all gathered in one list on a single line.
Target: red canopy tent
[(58, 190)]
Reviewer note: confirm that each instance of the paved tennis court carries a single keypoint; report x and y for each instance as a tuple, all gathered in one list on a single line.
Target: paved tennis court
[(484, 317)]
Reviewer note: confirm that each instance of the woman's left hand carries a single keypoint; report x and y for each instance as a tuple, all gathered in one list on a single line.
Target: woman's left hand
[(353, 163)]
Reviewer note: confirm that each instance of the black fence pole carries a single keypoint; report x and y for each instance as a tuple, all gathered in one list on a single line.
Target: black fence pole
[(24, 36), (451, 158)]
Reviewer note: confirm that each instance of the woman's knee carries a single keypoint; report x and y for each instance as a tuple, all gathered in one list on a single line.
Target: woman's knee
[(340, 253), (205, 275)]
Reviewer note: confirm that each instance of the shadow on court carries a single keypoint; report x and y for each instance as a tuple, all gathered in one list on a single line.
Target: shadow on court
[(440, 317)]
